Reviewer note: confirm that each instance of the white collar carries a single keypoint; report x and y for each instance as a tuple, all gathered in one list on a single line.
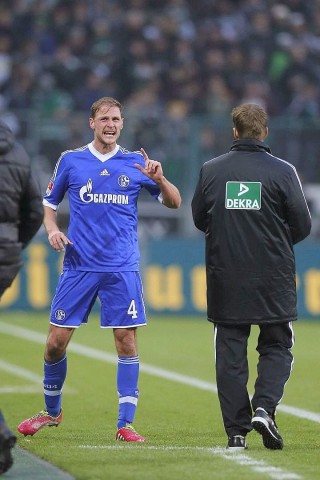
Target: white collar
[(103, 157)]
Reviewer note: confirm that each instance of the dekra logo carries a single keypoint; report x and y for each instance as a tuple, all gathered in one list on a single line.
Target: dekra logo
[(243, 195)]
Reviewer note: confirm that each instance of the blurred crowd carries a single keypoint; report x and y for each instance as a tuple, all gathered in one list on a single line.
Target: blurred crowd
[(179, 57), (178, 66)]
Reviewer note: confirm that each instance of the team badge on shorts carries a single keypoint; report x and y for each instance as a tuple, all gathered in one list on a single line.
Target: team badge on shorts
[(60, 315)]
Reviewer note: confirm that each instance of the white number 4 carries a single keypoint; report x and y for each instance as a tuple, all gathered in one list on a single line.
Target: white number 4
[(132, 309)]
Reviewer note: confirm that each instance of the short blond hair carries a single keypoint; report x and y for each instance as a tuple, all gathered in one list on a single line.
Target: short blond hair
[(112, 102), (250, 121)]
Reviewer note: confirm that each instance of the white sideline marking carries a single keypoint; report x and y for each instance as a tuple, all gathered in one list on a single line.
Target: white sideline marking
[(89, 352), (259, 466), (20, 372), (26, 375), (22, 389)]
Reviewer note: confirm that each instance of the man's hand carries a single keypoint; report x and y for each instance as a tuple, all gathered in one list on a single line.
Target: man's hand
[(170, 194), (152, 168), (58, 240)]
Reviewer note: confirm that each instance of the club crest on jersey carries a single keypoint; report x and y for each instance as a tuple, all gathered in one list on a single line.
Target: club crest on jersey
[(60, 315), (87, 195), (123, 181)]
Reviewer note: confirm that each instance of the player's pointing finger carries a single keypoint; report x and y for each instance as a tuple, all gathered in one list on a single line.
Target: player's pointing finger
[(145, 156)]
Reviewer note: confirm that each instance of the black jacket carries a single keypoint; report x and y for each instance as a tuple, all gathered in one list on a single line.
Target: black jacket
[(21, 210), (252, 209)]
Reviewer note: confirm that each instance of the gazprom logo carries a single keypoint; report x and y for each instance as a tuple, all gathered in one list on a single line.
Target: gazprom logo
[(87, 196), (243, 195), (85, 192)]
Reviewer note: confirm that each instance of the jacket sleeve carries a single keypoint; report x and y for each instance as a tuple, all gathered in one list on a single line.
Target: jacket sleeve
[(31, 211), (198, 207), (297, 211)]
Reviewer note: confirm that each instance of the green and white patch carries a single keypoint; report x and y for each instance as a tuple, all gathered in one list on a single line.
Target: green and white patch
[(243, 195)]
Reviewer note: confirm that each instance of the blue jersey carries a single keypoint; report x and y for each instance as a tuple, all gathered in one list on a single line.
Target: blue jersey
[(103, 191)]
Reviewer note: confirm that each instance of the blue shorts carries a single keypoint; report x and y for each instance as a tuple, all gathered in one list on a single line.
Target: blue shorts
[(120, 295)]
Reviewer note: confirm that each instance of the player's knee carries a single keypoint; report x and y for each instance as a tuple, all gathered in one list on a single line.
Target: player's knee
[(125, 341), (53, 353), (126, 348), (55, 349)]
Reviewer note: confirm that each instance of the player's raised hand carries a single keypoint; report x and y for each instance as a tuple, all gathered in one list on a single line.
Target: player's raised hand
[(58, 240), (152, 168)]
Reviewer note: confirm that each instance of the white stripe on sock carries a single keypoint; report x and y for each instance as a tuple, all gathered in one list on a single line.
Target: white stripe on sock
[(133, 400)]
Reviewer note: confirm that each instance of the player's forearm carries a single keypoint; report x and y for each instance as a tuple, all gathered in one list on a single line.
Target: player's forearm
[(171, 197), (50, 220)]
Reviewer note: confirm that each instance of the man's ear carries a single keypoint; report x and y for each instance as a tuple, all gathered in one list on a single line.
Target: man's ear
[(235, 134)]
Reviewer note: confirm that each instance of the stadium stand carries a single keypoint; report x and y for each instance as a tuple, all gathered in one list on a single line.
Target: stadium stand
[(179, 66)]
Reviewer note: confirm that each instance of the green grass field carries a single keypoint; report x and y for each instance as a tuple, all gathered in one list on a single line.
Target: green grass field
[(179, 414)]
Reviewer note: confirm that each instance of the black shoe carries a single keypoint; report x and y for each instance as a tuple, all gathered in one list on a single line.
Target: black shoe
[(264, 424), (237, 442), (7, 441)]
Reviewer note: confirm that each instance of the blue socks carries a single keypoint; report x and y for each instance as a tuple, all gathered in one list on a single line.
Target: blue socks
[(127, 383), (54, 377)]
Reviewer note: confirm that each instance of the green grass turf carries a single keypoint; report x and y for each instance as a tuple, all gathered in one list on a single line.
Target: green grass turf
[(181, 422)]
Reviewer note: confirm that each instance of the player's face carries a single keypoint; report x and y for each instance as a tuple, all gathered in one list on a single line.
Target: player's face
[(107, 125)]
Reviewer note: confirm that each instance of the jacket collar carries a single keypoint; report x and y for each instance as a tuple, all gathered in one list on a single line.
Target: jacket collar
[(249, 145)]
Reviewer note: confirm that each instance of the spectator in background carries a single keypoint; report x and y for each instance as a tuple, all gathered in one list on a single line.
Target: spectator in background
[(208, 141), (93, 87), (305, 106), (256, 49), (139, 42), (21, 215), (21, 91), (218, 97), (305, 102), (5, 59)]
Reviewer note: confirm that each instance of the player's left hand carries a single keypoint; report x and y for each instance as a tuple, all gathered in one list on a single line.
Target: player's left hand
[(152, 168)]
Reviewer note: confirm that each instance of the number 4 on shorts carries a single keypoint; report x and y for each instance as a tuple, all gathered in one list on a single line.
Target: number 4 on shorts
[(132, 309)]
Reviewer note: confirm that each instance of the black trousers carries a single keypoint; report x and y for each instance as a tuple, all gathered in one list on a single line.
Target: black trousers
[(273, 370)]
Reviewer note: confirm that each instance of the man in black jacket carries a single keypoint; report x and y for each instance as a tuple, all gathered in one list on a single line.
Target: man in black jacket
[(252, 209), (21, 215)]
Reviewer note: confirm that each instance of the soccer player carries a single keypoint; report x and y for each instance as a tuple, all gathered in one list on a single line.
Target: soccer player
[(103, 181), (251, 206)]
